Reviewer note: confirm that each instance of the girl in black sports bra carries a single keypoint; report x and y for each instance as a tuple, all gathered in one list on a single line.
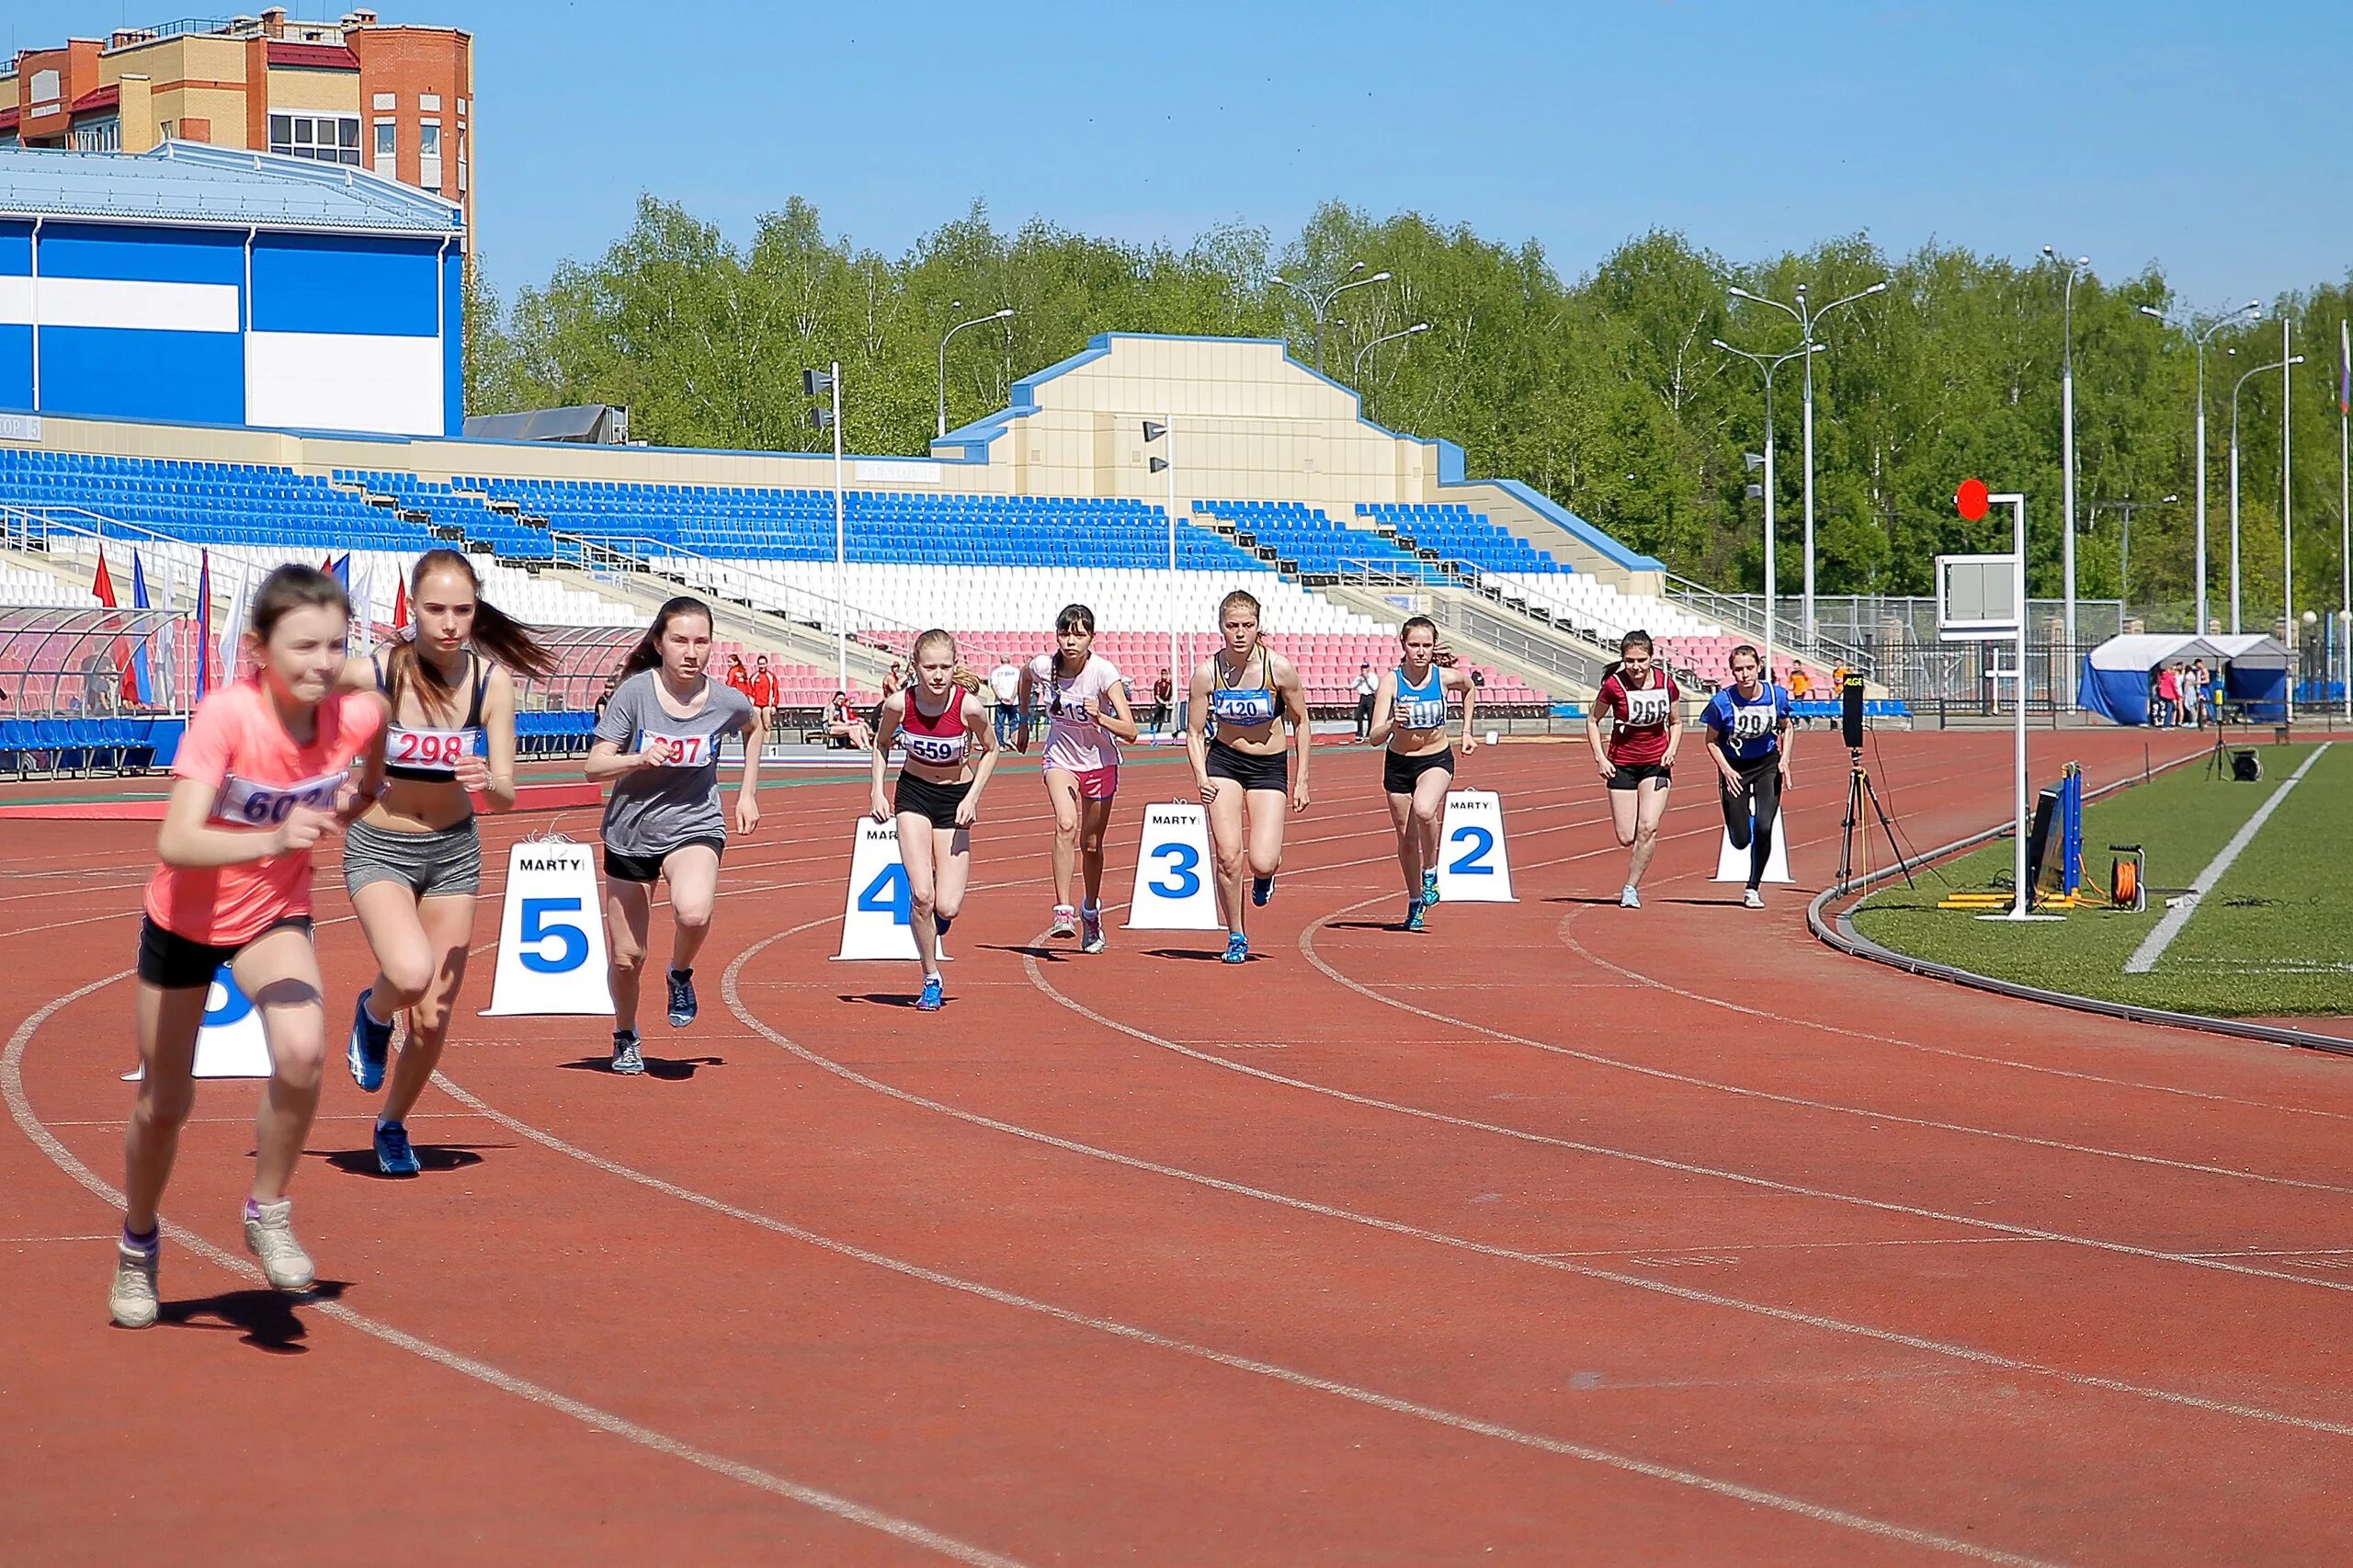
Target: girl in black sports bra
[(413, 862), (1241, 760)]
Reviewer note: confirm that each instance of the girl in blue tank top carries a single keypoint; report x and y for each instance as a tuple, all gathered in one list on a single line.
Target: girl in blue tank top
[(1241, 759), (1409, 719)]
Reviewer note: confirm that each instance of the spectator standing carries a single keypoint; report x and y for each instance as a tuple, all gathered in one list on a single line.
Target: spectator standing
[(1005, 685), (1365, 688), (1163, 693), (2168, 696), (739, 679)]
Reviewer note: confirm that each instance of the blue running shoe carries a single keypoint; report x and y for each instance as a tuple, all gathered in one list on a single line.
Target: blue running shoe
[(1429, 887), (682, 997), (935, 995), (940, 922), (1261, 890), (1238, 947), (1416, 916), (394, 1157), (369, 1046)]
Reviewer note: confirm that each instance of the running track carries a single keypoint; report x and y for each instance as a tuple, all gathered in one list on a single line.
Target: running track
[(1562, 1234)]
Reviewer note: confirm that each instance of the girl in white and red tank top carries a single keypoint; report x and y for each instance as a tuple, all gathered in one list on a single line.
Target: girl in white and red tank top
[(950, 750)]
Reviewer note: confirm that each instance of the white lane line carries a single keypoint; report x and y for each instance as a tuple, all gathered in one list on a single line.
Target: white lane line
[(1476, 1427), (2152, 946), (12, 1085), (731, 990)]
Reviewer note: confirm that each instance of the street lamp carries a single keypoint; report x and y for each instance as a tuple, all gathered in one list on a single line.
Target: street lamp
[(2124, 540), (1005, 314), (2067, 432), (2199, 339), (1767, 364), (1320, 305), (1358, 375), (1158, 430), (1806, 315), (817, 383), (2259, 370)]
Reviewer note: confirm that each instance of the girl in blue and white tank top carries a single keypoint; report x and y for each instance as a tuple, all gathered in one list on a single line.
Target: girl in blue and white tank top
[(1241, 759), (1409, 714), (1748, 735)]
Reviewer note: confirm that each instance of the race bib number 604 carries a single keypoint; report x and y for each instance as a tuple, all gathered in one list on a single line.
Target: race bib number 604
[(266, 805)]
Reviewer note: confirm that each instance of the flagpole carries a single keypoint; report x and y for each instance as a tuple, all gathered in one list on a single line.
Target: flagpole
[(2345, 504)]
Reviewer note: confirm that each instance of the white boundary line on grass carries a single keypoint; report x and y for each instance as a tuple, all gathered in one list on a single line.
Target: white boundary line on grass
[(2152, 946)]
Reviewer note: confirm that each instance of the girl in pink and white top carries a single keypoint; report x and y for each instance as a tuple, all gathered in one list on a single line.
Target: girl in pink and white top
[(1086, 705), (270, 765)]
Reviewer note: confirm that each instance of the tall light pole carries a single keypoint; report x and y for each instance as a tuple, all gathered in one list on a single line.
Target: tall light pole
[(1766, 364), (1806, 315), (2067, 434), (2259, 370), (2345, 501), (2198, 338), (1005, 314), (1320, 305), (815, 384), (2287, 495), (2125, 539), (1357, 374), (1160, 430)]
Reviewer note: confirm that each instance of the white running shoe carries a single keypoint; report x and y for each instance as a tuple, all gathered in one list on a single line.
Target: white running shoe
[(132, 1299), (1630, 899), (270, 1236), (1090, 922), (1752, 899), (1065, 922)]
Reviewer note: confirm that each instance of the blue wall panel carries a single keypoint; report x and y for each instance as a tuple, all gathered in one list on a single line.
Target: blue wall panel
[(15, 367), (334, 283), (453, 355), (102, 372), (143, 255), (16, 250)]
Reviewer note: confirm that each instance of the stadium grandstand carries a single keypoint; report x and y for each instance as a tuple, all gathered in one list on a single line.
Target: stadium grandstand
[(1145, 475)]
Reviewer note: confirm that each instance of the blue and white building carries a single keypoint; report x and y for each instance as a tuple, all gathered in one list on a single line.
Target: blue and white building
[(198, 285)]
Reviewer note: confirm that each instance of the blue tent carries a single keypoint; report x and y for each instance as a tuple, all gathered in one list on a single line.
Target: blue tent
[(2119, 675), (2255, 675)]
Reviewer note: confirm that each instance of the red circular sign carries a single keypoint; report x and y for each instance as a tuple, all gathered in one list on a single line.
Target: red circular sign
[(1971, 499)]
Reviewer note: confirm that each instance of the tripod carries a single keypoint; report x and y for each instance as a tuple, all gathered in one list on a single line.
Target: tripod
[(1859, 789), (2218, 761)]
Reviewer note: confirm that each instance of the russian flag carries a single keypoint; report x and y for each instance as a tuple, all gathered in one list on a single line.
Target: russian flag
[(204, 626), (144, 684)]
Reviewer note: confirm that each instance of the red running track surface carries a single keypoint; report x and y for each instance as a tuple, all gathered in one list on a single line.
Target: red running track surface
[(1563, 1233)]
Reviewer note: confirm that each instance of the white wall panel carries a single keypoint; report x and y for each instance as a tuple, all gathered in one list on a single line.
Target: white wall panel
[(318, 380), (115, 302)]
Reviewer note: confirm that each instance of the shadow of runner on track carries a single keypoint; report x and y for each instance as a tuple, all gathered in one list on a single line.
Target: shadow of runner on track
[(670, 1069), (267, 1318), (430, 1156)]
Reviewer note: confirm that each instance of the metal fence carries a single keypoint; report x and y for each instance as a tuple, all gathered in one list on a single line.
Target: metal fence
[(94, 663)]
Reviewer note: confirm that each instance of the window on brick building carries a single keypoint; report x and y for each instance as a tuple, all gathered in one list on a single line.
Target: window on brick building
[(388, 148), (461, 160), (327, 138), (429, 155), (99, 136)]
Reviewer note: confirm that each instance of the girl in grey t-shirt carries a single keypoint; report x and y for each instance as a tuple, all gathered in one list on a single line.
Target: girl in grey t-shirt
[(658, 740)]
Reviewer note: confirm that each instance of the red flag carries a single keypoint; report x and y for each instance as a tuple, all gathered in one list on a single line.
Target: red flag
[(399, 603), (103, 586)]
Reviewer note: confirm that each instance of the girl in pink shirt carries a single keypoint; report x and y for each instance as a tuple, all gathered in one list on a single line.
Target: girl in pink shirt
[(1087, 709), (268, 765)]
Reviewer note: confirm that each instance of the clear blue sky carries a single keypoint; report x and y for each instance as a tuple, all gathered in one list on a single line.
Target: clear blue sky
[(2212, 139)]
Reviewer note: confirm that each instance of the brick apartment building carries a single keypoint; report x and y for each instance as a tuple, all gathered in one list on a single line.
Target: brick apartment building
[(397, 100)]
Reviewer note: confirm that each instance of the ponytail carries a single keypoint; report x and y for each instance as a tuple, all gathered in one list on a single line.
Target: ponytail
[(506, 639)]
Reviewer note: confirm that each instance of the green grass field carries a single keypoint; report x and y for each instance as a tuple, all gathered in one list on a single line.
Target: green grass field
[(2274, 935)]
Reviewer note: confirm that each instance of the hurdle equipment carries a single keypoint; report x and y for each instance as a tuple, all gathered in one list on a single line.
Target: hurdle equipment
[(230, 1043), (877, 911), (551, 956), (1473, 860), (1173, 888)]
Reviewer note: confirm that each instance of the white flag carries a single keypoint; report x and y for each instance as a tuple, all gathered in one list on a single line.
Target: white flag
[(233, 624)]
